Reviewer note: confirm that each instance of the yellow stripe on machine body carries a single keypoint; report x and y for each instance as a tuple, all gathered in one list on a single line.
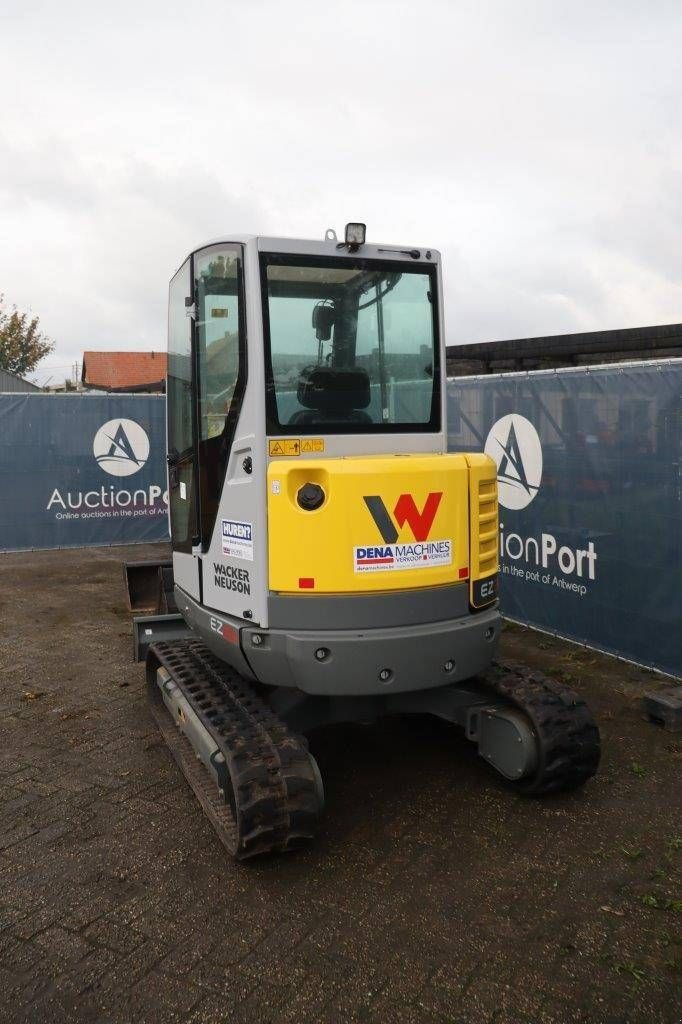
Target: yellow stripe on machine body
[(483, 517), (395, 522)]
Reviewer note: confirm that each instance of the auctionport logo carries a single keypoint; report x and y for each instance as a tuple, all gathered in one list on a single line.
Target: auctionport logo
[(514, 444), (121, 447)]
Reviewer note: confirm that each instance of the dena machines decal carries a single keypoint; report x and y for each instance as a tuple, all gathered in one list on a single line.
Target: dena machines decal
[(423, 554), (514, 444)]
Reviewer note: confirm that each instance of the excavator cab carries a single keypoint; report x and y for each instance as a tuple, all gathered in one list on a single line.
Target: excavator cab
[(331, 560)]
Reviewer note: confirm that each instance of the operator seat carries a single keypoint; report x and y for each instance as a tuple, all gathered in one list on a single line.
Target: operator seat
[(332, 395)]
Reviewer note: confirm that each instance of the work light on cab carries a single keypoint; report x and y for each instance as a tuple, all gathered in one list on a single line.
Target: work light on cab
[(355, 236)]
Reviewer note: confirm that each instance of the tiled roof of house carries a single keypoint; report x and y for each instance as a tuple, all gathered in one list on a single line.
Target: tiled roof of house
[(124, 371)]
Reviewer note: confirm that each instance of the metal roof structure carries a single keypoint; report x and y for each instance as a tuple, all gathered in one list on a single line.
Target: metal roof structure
[(554, 351), (9, 382)]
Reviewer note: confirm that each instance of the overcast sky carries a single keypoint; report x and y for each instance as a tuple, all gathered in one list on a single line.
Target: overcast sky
[(536, 144)]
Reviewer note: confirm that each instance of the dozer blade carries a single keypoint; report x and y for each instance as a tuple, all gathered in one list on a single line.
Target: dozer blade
[(148, 585), (142, 585), (255, 780)]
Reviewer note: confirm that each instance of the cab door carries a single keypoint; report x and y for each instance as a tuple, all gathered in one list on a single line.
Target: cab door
[(220, 372), (181, 434), (206, 380)]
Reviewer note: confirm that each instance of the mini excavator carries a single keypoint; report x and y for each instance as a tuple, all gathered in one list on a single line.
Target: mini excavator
[(331, 560)]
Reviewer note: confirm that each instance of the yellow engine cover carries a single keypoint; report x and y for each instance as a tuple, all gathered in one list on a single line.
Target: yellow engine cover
[(394, 522)]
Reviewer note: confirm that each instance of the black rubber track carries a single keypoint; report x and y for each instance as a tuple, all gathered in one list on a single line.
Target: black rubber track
[(268, 799), (567, 735)]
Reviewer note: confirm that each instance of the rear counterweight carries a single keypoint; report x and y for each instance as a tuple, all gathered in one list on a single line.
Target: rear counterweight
[(374, 661)]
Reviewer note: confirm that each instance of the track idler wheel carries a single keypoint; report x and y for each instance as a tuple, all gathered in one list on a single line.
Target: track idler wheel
[(567, 737)]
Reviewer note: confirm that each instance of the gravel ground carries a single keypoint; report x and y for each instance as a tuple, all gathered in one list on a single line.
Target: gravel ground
[(433, 894)]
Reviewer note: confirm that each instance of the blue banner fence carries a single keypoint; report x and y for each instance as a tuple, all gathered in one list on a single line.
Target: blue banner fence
[(590, 489), (589, 475), (79, 470)]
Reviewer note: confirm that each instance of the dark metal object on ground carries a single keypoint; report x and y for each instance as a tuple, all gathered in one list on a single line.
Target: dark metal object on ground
[(665, 707)]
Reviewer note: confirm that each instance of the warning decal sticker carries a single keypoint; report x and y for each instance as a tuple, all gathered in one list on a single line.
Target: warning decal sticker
[(295, 446), (312, 444), (285, 446)]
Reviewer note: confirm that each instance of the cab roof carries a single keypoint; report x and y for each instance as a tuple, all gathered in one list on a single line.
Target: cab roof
[(325, 247)]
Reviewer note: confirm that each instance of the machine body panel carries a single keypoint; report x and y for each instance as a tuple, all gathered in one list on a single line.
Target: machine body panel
[(367, 661), (240, 311), (219, 346), (374, 661), (386, 523)]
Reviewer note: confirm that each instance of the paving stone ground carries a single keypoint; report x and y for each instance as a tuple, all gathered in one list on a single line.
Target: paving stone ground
[(433, 895)]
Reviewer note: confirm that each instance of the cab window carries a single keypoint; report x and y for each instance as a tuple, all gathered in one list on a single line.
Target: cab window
[(351, 345)]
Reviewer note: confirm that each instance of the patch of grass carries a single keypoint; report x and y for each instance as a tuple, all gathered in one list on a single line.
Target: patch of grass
[(674, 843), (632, 852), (662, 903), (637, 769), (638, 973), (567, 677)]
